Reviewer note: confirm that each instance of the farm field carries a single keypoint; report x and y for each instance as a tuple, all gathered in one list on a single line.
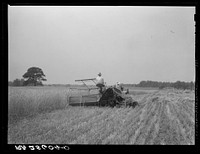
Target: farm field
[(41, 115)]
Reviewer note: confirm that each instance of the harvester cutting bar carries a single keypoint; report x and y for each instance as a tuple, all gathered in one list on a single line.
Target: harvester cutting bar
[(83, 100)]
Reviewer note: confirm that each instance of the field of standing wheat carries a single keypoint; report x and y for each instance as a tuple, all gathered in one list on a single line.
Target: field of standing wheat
[(42, 116)]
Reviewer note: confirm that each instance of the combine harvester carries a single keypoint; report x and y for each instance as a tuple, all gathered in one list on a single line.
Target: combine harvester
[(90, 96)]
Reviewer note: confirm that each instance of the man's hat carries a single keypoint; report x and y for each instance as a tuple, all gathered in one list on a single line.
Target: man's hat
[(99, 73)]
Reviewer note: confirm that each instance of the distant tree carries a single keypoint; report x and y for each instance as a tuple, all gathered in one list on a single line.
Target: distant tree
[(34, 76), (18, 82), (192, 86), (10, 83), (161, 86)]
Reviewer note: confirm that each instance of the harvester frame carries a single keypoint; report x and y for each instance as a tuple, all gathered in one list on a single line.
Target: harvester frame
[(94, 98)]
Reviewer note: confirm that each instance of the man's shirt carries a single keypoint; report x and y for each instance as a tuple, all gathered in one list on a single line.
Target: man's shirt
[(100, 80)]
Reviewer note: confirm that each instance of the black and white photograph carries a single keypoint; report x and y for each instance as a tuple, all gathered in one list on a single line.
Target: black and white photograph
[(101, 75)]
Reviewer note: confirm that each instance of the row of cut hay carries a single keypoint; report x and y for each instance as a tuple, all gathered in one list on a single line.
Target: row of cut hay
[(167, 133), (25, 102)]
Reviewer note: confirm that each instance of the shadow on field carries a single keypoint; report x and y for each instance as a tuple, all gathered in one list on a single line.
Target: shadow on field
[(97, 104)]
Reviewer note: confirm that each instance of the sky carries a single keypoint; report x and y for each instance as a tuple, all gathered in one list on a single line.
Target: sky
[(126, 44)]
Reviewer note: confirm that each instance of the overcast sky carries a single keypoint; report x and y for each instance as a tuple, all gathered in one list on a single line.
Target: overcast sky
[(125, 44)]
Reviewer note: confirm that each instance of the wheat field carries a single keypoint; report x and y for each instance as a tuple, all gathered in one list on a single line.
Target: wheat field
[(42, 116)]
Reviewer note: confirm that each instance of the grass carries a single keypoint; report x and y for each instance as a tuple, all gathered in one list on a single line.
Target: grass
[(163, 117), (30, 101)]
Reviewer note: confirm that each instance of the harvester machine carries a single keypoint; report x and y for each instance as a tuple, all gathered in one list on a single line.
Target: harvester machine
[(91, 96)]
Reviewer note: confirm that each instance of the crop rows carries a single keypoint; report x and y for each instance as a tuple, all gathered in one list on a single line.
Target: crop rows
[(162, 117)]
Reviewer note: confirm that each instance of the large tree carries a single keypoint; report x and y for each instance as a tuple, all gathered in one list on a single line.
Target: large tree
[(34, 76)]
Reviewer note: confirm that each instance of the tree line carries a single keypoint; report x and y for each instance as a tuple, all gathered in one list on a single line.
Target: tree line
[(161, 85), (34, 77)]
